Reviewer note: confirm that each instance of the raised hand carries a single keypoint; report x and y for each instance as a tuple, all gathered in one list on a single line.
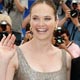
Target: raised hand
[(7, 48)]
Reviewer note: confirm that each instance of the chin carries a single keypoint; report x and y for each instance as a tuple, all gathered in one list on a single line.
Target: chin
[(43, 37)]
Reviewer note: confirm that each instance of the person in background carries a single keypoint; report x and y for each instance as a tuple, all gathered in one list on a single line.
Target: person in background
[(74, 51), (72, 22), (5, 23), (37, 59), (15, 9), (6, 28), (28, 36), (70, 45), (27, 10), (26, 17)]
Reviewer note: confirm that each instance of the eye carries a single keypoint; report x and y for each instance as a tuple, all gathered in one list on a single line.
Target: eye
[(35, 18), (47, 18)]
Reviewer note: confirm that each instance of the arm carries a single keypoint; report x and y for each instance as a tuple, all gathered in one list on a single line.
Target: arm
[(19, 6), (3, 69), (64, 6), (7, 50), (12, 67), (26, 21), (74, 20), (66, 9), (62, 21)]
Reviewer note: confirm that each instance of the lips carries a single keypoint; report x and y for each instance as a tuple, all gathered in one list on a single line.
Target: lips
[(41, 30)]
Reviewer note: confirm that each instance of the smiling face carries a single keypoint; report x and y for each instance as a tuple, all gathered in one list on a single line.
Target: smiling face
[(42, 21)]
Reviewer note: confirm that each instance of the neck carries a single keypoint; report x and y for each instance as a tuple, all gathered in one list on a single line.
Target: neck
[(41, 45)]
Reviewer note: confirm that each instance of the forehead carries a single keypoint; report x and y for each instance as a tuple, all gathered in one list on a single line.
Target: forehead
[(42, 8)]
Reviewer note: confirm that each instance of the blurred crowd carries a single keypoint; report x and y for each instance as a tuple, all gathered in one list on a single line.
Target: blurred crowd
[(68, 12)]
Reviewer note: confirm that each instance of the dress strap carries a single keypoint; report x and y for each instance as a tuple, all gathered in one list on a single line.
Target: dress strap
[(64, 58)]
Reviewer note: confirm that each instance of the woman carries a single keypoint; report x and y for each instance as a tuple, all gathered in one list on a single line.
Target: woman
[(37, 59), (5, 23)]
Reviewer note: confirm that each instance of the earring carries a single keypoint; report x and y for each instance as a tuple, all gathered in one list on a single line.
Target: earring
[(30, 28)]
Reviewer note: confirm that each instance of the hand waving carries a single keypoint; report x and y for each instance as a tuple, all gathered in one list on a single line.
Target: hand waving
[(7, 48)]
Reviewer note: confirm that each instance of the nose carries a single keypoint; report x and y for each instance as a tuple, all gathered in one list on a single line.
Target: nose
[(41, 23)]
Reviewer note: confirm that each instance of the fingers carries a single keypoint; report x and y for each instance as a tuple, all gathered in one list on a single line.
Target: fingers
[(6, 40), (9, 41), (2, 41)]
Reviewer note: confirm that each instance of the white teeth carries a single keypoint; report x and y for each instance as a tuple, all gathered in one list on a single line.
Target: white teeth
[(41, 30)]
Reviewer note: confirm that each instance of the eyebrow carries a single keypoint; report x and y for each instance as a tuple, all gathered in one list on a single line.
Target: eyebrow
[(38, 16)]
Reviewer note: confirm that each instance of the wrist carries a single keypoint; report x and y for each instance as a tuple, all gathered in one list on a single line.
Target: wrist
[(78, 26)]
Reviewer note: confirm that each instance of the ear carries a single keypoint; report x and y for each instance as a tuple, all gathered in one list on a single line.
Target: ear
[(30, 25)]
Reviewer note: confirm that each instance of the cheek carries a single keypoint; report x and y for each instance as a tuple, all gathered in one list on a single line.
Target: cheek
[(33, 23), (33, 26)]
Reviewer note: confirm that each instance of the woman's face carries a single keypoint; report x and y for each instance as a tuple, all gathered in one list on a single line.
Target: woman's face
[(42, 21)]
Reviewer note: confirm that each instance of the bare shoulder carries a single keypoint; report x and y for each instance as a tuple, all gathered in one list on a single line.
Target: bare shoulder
[(57, 50), (68, 57), (68, 61), (25, 47)]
